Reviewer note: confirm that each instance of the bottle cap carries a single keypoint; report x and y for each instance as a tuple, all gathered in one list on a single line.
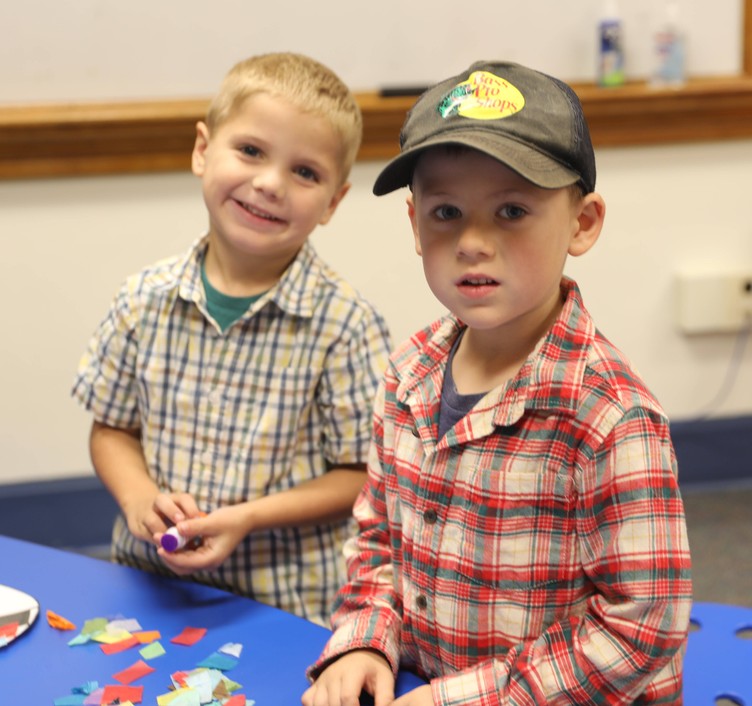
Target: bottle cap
[(171, 540)]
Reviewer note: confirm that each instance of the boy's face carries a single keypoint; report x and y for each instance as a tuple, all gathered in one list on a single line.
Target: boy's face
[(493, 244), (270, 175)]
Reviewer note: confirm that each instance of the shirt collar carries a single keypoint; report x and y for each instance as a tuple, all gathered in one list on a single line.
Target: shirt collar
[(293, 293), (551, 377)]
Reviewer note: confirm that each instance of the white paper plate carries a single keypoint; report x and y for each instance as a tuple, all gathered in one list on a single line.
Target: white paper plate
[(18, 611)]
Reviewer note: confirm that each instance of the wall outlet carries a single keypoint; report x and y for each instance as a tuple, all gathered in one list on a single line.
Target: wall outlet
[(713, 302)]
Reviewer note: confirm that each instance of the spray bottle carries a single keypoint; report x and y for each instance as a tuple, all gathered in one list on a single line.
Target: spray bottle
[(668, 47)]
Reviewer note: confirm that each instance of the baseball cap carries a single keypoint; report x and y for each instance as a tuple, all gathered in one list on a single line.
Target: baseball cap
[(529, 121)]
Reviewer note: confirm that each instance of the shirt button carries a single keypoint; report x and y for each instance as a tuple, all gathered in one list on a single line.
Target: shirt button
[(430, 516), (422, 602)]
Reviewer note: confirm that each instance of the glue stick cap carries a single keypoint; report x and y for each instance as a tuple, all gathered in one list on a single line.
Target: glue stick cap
[(529, 121), (172, 540)]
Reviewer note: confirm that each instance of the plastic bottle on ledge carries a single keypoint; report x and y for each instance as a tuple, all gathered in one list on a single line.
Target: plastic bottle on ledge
[(668, 47), (610, 46)]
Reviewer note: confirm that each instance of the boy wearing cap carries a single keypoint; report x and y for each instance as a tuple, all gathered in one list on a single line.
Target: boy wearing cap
[(521, 536)]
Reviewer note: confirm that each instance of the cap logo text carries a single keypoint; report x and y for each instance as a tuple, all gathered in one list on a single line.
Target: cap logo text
[(483, 96)]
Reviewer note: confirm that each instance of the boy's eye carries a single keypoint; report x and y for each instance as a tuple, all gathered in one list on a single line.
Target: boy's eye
[(447, 212), (307, 173), (250, 151), (512, 212)]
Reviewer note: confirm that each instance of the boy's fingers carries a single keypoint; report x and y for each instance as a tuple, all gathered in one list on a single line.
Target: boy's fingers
[(193, 527), (383, 691)]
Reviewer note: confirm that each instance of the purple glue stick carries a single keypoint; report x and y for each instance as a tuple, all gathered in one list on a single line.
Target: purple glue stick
[(172, 540)]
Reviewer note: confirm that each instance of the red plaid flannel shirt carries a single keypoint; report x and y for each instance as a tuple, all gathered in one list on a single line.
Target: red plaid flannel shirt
[(537, 553)]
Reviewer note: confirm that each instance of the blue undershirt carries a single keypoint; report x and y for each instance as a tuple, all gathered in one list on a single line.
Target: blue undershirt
[(454, 405)]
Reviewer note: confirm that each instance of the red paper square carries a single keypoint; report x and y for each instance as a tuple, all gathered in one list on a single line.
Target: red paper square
[(135, 671), (134, 694), (189, 636)]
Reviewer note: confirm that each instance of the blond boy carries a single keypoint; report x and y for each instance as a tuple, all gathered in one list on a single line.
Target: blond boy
[(237, 379)]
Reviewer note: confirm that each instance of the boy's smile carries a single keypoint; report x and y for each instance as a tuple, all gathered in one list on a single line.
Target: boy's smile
[(271, 173)]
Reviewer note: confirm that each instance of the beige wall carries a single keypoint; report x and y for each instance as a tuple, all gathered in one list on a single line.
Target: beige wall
[(68, 243)]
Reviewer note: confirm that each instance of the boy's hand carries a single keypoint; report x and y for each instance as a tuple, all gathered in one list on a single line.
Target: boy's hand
[(144, 519), (175, 507), (148, 516), (220, 532), (342, 681)]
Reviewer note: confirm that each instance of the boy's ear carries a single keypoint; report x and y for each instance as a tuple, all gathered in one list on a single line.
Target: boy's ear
[(336, 200), (413, 221), (198, 157), (590, 215)]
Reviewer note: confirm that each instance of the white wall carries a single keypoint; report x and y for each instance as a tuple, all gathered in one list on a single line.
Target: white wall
[(105, 50), (67, 244)]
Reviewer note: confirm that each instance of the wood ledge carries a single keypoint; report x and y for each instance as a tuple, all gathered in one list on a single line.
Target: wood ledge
[(58, 140)]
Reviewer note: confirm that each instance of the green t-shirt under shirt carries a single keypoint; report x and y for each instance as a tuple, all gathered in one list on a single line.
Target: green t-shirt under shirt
[(224, 309)]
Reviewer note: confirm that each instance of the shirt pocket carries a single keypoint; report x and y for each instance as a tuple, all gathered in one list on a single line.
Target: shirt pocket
[(516, 528), (274, 419)]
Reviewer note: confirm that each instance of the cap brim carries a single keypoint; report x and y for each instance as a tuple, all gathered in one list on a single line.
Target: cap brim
[(531, 164)]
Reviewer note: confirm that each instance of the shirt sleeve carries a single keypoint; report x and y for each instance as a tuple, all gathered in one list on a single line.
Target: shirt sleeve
[(629, 638), (105, 382), (353, 369), (368, 611)]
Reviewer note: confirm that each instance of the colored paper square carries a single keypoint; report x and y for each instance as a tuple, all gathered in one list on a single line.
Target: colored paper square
[(123, 693), (129, 625), (152, 650), (59, 622), (237, 700), (219, 661), (95, 698), (135, 671), (231, 648), (71, 700), (110, 637), (147, 636), (116, 647), (179, 697), (189, 636), (94, 625)]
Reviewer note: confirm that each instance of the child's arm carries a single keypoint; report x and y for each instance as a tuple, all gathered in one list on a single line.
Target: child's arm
[(325, 499), (120, 464)]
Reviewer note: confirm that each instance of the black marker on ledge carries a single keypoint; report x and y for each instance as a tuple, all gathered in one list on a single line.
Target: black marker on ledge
[(401, 91)]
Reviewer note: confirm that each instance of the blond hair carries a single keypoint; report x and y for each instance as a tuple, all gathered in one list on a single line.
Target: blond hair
[(304, 82)]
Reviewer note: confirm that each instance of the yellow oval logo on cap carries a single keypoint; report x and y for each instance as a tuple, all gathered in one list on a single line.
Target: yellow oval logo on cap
[(483, 96)]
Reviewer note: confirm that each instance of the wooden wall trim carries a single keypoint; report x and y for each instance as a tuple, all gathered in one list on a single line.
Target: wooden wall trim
[(747, 38), (155, 136)]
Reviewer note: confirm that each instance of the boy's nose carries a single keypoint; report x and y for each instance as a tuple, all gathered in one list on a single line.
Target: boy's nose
[(270, 182), (475, 241)]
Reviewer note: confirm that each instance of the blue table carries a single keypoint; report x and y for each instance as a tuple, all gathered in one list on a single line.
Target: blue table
[(40, 666), (718, 663)]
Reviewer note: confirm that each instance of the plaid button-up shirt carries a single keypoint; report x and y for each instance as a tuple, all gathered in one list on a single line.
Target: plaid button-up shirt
[(537, 553), (279, 397)]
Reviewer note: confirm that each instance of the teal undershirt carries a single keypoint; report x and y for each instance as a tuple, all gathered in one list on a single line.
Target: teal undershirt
[(224, 309)]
